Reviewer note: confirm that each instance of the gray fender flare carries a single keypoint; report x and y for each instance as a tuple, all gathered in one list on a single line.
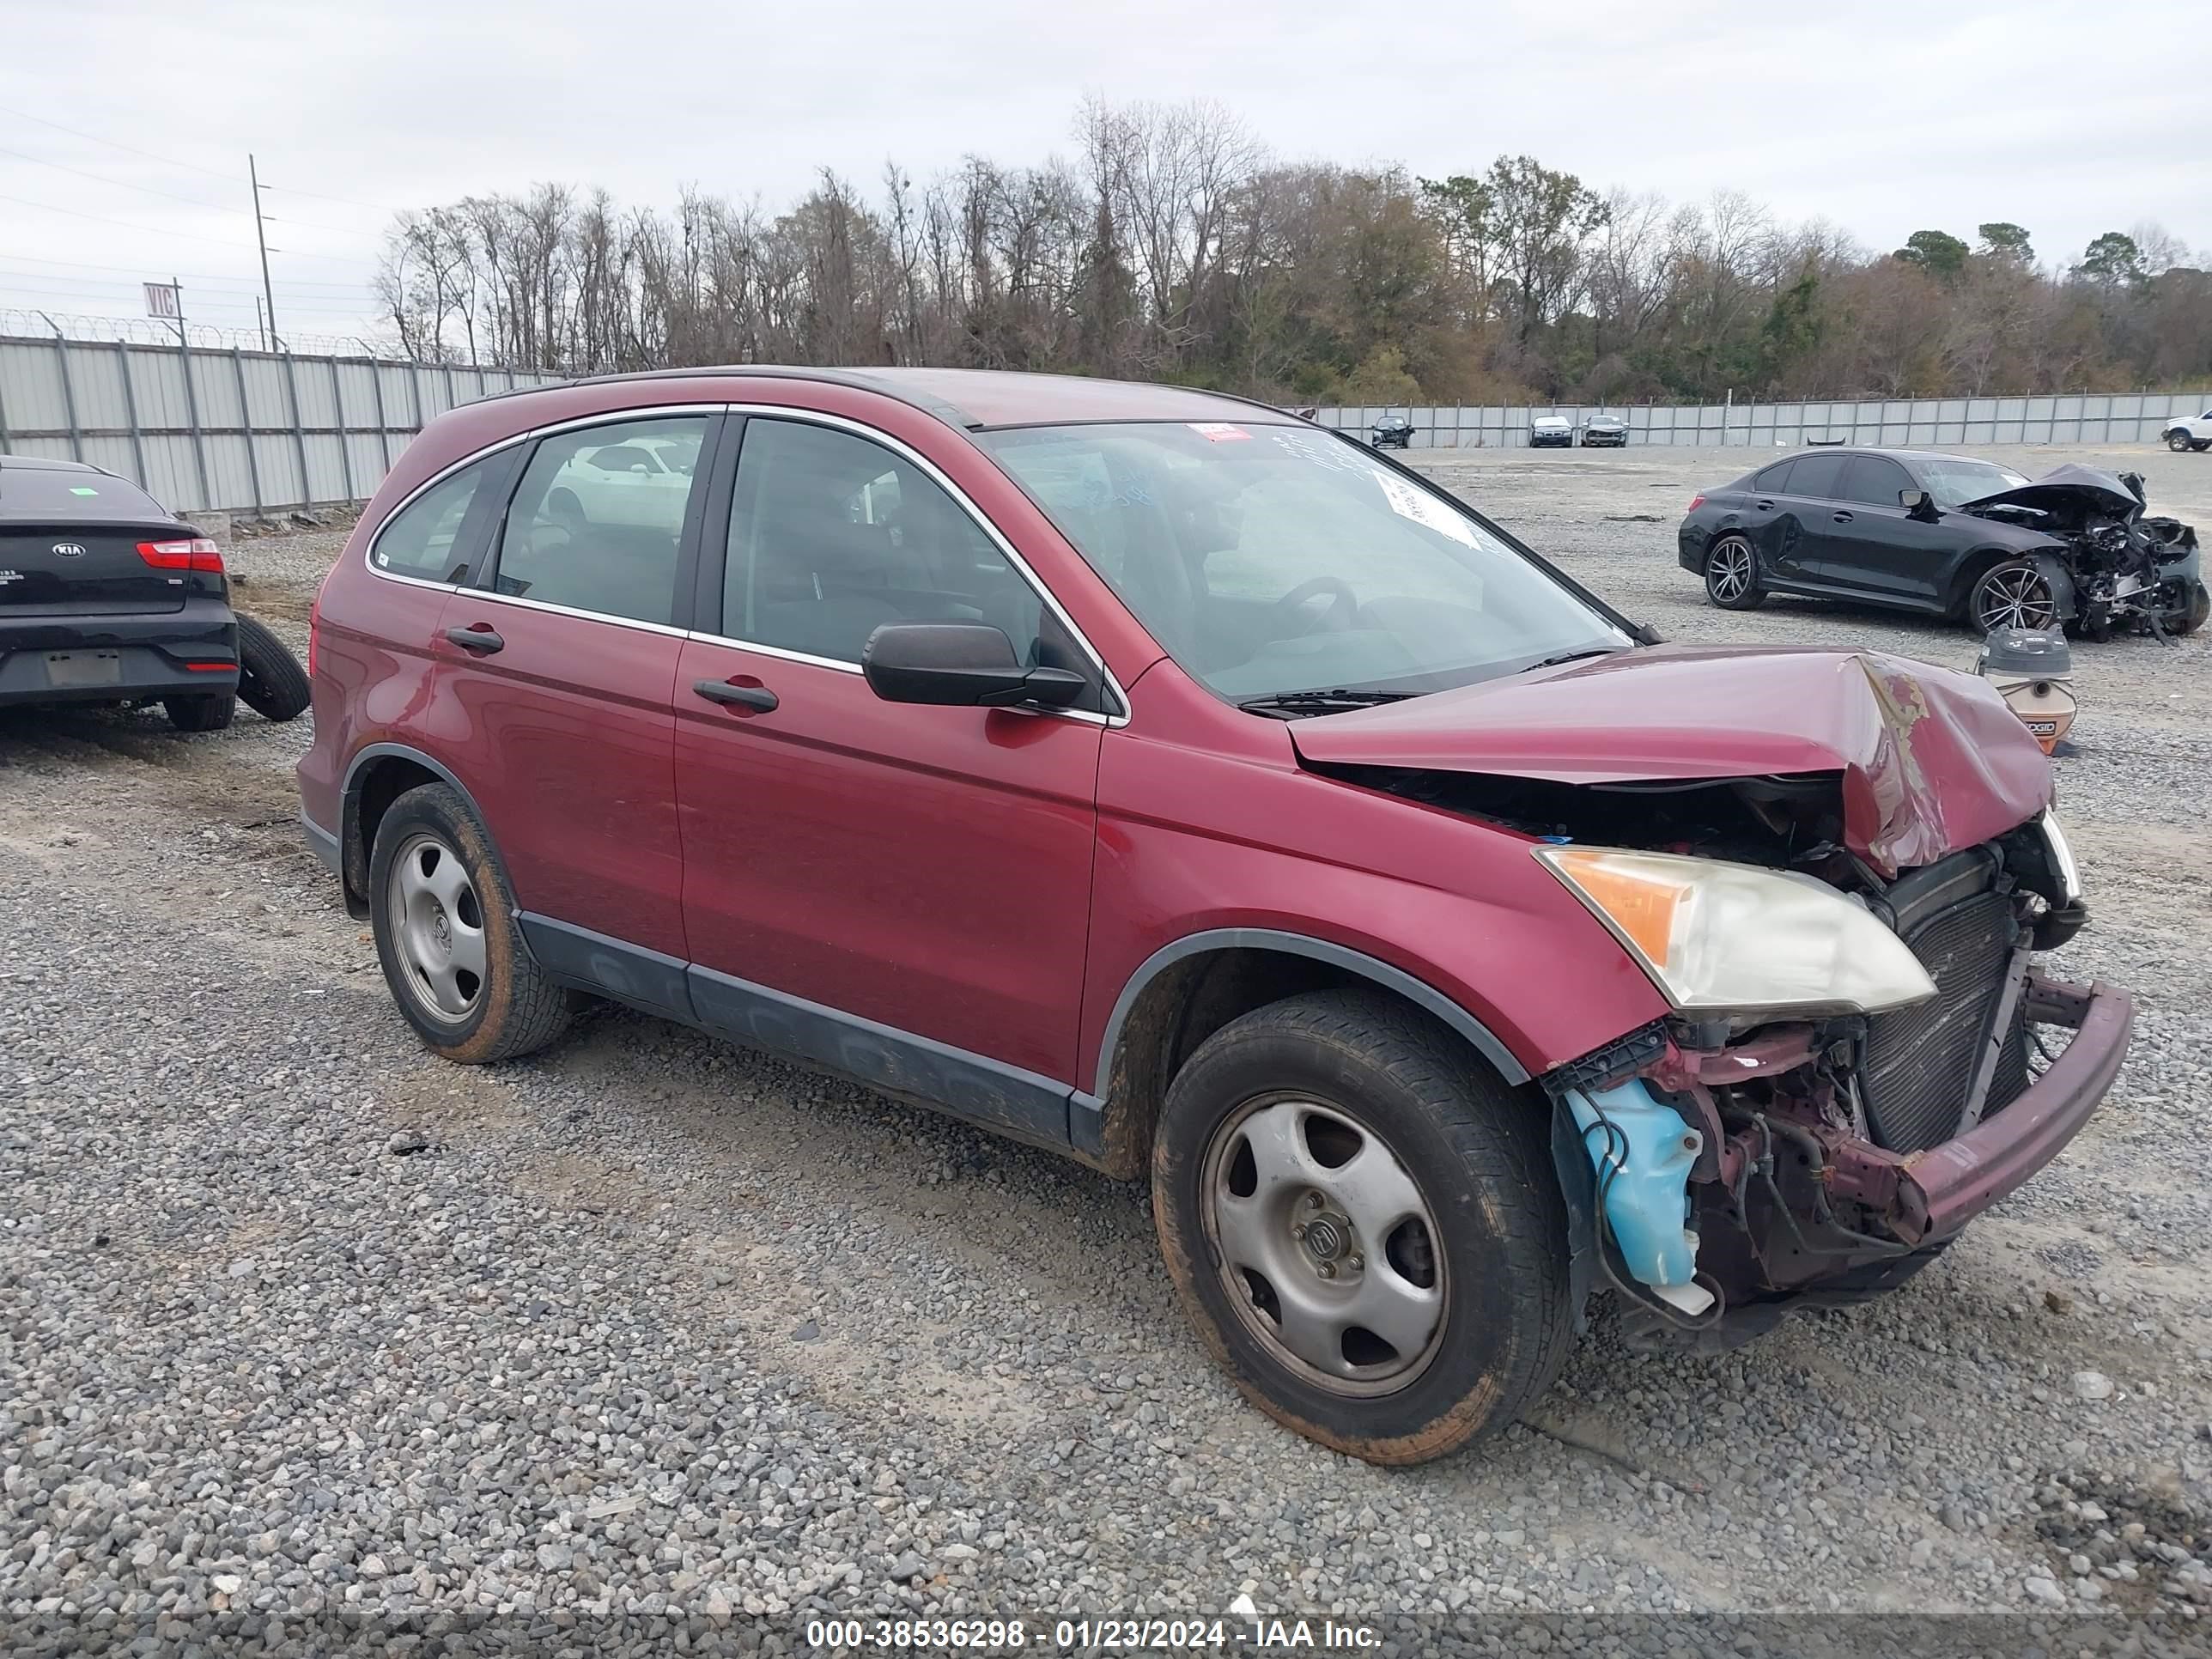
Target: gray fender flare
[(349, 802), (1417, 992)]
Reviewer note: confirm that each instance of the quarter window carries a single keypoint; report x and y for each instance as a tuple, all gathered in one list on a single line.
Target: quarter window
[(433, 538), (597, 520), (833, 535), (1775, 481)]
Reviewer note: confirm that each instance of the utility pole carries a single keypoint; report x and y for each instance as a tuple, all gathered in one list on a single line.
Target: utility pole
[(261, 236)]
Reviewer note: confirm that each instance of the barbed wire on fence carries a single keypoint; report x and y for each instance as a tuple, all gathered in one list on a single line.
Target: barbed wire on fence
[(154, 331)]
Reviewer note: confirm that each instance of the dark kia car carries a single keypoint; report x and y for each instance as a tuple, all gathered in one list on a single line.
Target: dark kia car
[(1155, 777), (1948, 536), (107, 597)]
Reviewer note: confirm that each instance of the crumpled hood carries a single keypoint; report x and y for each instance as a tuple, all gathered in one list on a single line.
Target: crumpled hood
[(1932, 760), (2070, 485)]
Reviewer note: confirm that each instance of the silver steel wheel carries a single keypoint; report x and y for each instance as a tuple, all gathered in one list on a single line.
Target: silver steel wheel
[(437, 928), (2013, 599), (1327, 1246), (1729, 571)]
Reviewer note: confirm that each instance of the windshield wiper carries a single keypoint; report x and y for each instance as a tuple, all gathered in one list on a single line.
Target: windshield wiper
[(1574, 656), (1290, 705)]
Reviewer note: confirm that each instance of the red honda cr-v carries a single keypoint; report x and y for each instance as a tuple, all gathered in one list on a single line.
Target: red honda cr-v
[(1155, 777)]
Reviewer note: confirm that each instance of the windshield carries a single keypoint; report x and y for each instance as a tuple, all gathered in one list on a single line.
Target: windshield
[(1953, 484), (1268, 559)]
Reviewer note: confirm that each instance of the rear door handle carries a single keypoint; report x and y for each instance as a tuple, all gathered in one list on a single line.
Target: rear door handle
[(758, 697), (1842, 518), (480, 637)]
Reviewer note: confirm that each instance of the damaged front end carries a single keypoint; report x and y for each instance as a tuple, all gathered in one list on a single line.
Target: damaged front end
[(2130, 571), (1726, 1167), (1861, 1054)]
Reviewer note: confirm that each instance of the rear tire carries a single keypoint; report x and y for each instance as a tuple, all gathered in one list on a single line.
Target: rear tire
[(1732, 575), (1346, 1115), (452, 949), (210, 712), (270, 681)]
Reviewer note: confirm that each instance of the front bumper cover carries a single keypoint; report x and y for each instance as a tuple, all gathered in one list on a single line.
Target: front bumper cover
[(1962, 1177)]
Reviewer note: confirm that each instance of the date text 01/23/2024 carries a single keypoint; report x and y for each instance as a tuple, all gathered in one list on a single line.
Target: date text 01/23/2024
[(1250, 1634)]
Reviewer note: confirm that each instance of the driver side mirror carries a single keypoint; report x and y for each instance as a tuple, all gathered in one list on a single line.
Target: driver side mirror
[(959, 665), (1917, 503)]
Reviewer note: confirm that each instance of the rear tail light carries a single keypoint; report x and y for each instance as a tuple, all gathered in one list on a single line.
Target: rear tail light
[(1696, 502), (196, 553)]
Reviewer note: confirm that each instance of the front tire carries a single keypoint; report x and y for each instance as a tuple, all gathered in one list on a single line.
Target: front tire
[(1732, 575), (2179, 441), (210, 712), (2192, 616), (2012, 594), (452, 949), (1386, 1314)]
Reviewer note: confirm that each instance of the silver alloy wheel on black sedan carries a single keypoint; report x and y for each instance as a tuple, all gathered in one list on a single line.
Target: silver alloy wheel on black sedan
[(1732, 575), (2014, 595), (1325, 1243), (437, 922)]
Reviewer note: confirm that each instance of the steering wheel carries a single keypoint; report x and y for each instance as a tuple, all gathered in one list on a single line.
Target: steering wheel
[(1343, 609)]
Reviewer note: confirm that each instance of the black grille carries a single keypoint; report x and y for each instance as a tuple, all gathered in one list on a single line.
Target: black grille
[(1920, 1060)]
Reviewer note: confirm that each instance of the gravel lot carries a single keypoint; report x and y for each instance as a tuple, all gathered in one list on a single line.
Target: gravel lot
[(650, 1341)]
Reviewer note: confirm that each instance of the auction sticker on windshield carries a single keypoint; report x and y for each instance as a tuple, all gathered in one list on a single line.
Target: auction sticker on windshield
[(1220, 432), (1424, 509)]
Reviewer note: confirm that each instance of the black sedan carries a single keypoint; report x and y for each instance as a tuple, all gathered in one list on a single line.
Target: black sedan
[(1393, 432), (1948, 536), (107, 597), (1605, 432)]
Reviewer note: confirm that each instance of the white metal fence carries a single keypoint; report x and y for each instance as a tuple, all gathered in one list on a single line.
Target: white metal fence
[(1927, 422), (244, 430)]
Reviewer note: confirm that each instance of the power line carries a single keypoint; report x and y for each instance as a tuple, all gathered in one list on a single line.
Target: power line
[(286, 189), (125, 184), (150, 230), (195, 275), (170, 160)]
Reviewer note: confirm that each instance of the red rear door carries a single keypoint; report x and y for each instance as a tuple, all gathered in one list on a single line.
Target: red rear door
[(559, 671), (900, 891)]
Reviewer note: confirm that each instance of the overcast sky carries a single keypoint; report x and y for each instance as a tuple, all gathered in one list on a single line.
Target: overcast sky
[(1884, 116)]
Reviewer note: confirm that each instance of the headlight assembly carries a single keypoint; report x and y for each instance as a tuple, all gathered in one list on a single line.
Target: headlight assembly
[(1728, 938)]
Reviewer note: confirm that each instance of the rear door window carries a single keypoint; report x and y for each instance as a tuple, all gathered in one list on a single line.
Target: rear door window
[(435, 537), (597, 522), (1815, 476)]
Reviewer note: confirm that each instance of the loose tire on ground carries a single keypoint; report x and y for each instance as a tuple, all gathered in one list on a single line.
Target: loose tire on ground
[(1478, 1159), (1732, 575), (270, 681), (431, 878), (210, 712), (2011, 593)]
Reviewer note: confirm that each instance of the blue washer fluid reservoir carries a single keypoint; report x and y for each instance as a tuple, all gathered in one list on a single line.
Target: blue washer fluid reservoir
[(1647, 1198)]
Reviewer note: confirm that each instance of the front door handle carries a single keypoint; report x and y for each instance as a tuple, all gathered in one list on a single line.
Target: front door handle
[(1842, 518), (757, 697), (480, 637)]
